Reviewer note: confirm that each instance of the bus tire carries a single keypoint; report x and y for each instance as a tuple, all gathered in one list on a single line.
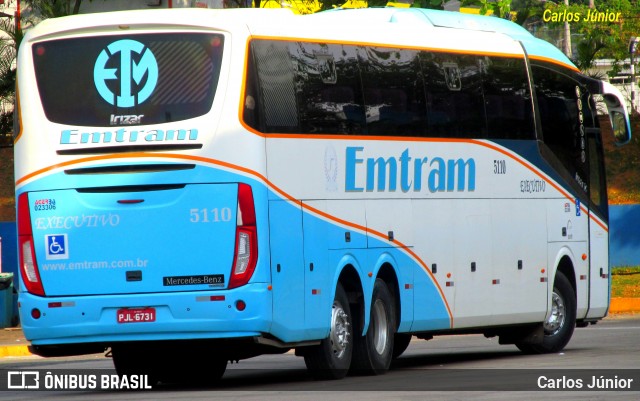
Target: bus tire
[(372, 353), (183, 365), (192, 369), (331, 359), (129, 359), (559, 326), (400, 343)]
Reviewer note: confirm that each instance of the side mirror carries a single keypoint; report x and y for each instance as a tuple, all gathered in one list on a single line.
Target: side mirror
[(617, 113), (619, 122)]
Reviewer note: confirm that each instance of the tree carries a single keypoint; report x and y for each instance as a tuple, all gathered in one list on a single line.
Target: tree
[(598, 37), (500, 8), (432, 4), (11, 37), (54, 8)]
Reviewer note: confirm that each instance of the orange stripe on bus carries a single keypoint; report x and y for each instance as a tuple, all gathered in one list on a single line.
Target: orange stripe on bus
[(259, 177)]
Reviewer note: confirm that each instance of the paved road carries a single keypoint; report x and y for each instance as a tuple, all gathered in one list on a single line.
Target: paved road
[(435, 369)]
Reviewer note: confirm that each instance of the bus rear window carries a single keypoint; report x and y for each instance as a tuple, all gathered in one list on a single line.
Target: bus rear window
[(128, 80)]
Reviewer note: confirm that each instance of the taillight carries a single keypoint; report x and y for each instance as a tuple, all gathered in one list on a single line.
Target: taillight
[(28, 265), (246, 251)]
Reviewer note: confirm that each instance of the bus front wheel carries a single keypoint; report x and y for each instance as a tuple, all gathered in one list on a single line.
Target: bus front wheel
[(559, 325)]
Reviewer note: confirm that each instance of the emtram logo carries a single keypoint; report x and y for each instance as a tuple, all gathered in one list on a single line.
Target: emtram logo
[(136, 61)]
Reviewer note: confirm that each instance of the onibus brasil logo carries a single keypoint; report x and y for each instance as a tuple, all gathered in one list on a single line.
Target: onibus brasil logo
[(130, 73)]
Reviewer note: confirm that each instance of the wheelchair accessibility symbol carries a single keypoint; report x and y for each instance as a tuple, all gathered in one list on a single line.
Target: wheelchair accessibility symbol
[(56, 246)]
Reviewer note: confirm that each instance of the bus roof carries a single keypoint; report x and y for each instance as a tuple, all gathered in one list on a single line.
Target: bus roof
[(535, 48), (387, 24)]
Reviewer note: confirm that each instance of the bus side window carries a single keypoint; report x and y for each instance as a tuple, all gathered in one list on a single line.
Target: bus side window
[(453, 85), (393, 92), (563, 120), (328, 88), (277, 100), (507, 98), (250, 109), (595, 152)]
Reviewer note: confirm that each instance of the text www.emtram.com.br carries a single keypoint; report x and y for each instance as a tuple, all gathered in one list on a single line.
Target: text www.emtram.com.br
[(89, 265)]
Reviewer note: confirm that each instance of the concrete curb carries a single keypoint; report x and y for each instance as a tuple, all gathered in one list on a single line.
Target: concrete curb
[(14, 351), (617, 306), (624, 305)]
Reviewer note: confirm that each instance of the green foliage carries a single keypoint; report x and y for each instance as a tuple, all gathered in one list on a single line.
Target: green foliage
[(330, 4), (432, 4), (599, 39), (376, 3), (8, 52), (625, 282), (7, 72), (526, 10), (500, 8), (54, 8)]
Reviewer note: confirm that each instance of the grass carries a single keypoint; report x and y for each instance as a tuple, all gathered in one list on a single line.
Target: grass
[(625, 282)]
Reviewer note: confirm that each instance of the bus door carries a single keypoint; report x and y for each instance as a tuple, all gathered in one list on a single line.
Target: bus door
[(599, 278), (598, 216)]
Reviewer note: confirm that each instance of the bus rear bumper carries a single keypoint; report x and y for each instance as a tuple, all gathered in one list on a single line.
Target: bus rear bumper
[(178, 316)]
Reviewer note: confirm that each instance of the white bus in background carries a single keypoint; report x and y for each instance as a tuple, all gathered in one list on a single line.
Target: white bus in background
[(210, 185)]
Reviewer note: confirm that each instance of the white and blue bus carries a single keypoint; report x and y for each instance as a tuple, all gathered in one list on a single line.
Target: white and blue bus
[(212, 185)]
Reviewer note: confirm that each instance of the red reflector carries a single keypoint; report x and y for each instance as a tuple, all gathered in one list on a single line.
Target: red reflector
[(247, 208), (240, 305), (408, 286), (216, 42), (27, 256), (61, 304), (246, 248), (449, 283), (24, 215), (35, 313), (497, 281), (315, 292), (210, 298), (543, 279)]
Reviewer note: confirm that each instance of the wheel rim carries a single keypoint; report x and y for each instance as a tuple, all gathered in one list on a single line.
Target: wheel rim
[(339, 331), (379, 320), (556, 319)]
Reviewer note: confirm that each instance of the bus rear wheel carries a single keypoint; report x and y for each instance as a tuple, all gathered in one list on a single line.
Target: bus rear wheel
[(332, 358), (559, 325), (373, 352), (401, 342)]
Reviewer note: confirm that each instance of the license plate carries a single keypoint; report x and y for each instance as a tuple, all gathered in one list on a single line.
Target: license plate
[(136, 315)]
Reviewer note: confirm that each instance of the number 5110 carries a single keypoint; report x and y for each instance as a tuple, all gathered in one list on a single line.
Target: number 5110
[(214, 215)]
